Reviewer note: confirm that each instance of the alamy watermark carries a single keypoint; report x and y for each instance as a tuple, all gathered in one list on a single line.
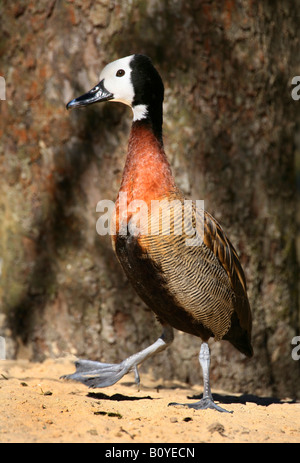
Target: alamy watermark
[(296, 350), (2, 348), (159, 217), (2, 88), (296, 90)]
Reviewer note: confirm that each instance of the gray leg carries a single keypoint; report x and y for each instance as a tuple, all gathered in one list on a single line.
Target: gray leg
[(97, 374), (207, 399)]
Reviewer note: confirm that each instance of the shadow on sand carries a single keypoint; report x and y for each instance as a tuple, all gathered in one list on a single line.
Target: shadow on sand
[(244, 398), (221, 398)]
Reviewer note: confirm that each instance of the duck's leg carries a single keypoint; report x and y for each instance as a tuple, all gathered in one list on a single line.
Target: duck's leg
[(207, 400), (97, 374)]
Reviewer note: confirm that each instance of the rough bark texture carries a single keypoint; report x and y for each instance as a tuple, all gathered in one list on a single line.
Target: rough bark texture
[(229, 125)]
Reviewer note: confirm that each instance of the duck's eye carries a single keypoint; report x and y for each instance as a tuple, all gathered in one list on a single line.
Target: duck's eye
[(120, 73)]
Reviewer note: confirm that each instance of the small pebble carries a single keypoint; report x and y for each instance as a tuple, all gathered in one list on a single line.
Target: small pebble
[(188, 418)]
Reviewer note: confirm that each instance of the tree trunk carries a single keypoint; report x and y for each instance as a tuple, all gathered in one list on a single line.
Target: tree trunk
[(230, 130)]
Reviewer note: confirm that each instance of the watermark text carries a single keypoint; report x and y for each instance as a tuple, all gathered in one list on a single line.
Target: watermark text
[(2, 348), (296, 350), (2, 88), (160, 217), (296, 90)]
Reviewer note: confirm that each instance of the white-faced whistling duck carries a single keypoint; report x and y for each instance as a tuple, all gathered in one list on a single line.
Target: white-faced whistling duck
[(196, 287)]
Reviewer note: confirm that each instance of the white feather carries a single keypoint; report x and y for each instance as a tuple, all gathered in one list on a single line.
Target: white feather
[(139, 112)]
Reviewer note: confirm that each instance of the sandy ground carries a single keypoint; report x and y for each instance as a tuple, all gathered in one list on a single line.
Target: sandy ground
[(36, 406)]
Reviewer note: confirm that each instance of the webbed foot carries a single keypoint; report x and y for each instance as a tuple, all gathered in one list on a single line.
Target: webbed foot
[(203, 404), (97, 374)]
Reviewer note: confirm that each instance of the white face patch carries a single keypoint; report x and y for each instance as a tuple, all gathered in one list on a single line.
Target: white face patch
[(121, 87), (117, 80)]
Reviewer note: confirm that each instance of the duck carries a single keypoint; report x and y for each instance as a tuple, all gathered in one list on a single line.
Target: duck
[(174, 253)]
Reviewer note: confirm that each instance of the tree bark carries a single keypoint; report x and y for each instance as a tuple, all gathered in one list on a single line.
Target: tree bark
[(230, 127)]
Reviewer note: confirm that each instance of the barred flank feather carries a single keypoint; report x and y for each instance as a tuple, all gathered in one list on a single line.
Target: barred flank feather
[(196, 280), (201, 284)]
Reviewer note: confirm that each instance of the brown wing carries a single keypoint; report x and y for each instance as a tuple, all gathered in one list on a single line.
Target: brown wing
[(216, 240), (205, 279)]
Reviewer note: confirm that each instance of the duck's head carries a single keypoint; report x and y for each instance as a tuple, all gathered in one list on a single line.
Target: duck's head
[(132, 80)]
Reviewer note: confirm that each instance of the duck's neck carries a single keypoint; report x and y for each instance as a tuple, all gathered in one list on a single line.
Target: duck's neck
[(147, 174)]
